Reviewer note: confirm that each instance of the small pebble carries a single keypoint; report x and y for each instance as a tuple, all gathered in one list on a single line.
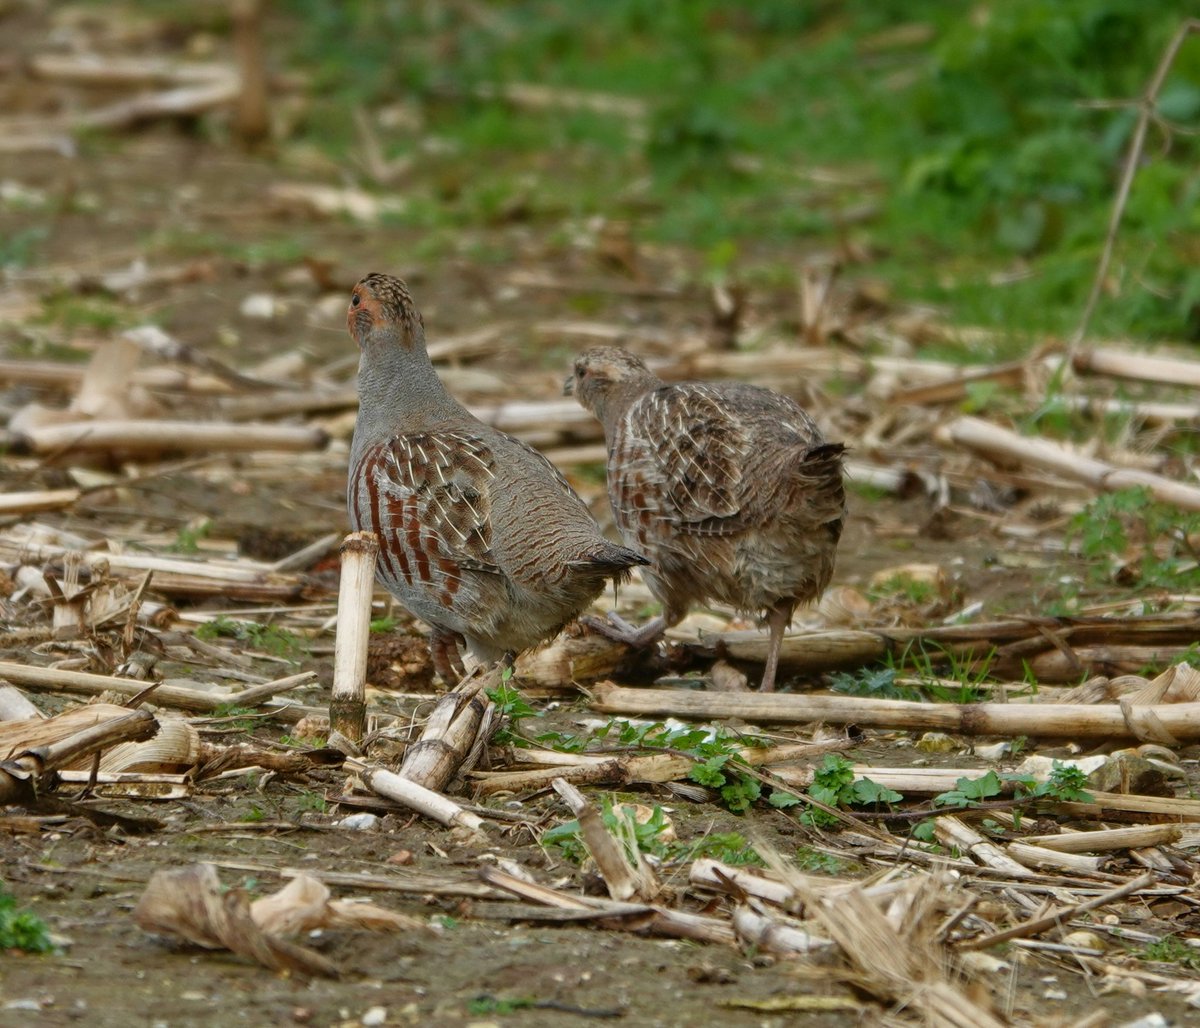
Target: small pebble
[(374, 1016), (360, 822), (991, 751), (937, 742), (1154, 1020), (261, 306), (1084, 939)]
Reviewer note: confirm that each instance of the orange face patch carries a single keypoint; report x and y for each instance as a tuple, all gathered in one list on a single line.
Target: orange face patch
[(362, 313)]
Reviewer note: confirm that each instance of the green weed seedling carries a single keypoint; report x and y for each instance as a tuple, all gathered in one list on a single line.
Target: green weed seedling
[(727, 847), (834, 785), (311, 801), (932, 667), (1147, 542), (645, 837), (1171, 949), (816, 862), (513, 709), (188, 538), (272, 639), (718, 763), (1066, 784), (493, 1006), (21, 929), (970, 792)]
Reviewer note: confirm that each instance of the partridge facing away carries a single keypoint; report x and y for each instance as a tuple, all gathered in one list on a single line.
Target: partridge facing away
[(479, 535), (728, 488)]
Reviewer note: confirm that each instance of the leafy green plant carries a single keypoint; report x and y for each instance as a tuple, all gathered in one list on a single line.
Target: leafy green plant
[(718, 764), (808, 859), (728, 847), (1066, 784), (568, 839), (564, 742), (834, 785), (18, 249), (512, 708), (876, 683), (923, 831), (931, 666), (75, 313), (969, 792), (489, 1006), (21, 929), (312, 801), (915, 591), (1171, 949), (1145, 542), (272, 639), (384, 624), (187, 539)]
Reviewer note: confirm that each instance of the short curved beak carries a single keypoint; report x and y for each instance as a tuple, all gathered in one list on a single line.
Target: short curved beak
[(569, 386)]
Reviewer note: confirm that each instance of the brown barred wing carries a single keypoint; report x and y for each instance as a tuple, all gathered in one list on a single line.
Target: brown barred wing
[(680, 459), (428, 497)]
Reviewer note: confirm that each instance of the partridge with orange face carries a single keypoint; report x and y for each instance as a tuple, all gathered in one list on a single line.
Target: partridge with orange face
[(479, 534), (728, 488)]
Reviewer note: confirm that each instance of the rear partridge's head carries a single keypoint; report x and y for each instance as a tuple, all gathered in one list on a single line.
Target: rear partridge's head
[(606, 379)]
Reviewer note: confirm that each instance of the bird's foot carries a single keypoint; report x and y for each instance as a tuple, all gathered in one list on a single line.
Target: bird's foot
[(443, 647), (617, 629)]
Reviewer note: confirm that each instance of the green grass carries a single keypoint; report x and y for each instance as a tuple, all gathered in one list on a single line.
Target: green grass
[(965, 128)]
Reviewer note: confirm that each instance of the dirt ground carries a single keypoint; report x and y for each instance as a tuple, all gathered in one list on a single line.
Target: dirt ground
[(173, 196)]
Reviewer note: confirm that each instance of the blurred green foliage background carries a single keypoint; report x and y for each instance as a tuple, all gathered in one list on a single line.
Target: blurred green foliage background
[(972, 148)]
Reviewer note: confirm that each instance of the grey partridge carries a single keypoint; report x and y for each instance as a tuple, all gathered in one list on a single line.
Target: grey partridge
[(728, 488), (479, 535)]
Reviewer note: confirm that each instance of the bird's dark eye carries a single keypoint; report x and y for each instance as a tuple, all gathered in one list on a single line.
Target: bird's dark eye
[(355, 300)]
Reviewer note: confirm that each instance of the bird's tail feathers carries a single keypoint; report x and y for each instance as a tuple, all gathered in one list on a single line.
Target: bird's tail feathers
[(610, 560)]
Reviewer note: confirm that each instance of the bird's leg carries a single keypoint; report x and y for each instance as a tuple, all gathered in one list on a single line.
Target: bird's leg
[(443, 647), (777, 620), (617, 629)]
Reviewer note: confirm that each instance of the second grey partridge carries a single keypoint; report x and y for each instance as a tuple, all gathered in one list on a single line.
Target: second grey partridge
[(479, 534), (728, 488)]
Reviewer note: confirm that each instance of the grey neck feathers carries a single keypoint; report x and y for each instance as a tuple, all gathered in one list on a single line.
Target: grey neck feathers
[(399, 392), (623, 395)]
